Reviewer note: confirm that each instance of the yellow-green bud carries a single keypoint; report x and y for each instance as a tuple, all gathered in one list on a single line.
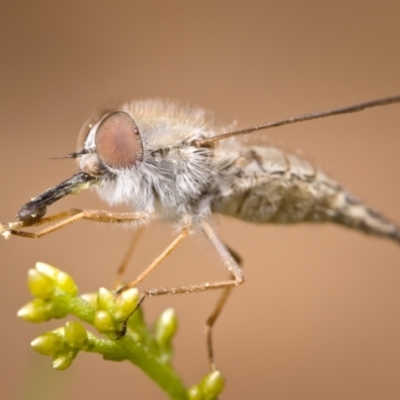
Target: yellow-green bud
[(47, 269), (166, 327), (212, 385), (103, 321), (48, 344), (66, 284), (91, 298), (40, 285), (36, 310), (63, 360), (125, 304), (75, 334), (194, 393), (105, 300)]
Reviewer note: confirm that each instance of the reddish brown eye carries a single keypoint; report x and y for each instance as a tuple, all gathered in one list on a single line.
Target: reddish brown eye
[(118, 141)]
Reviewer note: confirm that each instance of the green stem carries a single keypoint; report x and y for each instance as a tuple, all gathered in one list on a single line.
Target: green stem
[(125, 349)]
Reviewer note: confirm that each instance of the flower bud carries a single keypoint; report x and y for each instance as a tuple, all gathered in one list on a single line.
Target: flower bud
[(105, 300), (194, 393), (166, 327), (48, 344), (63, 360), (47, 269), (212, 385), (36, 310), (103, 321), (66, 284), (125, 304), (75, 334), (91, 298), (40, 285)]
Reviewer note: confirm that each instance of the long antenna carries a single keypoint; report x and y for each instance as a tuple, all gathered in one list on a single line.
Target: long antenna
[(301, 118)]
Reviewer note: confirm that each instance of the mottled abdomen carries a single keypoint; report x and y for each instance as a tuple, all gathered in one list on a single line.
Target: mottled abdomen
[(271, 186)]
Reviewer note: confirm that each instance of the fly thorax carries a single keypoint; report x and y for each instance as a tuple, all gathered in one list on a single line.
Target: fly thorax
[(179, 177)]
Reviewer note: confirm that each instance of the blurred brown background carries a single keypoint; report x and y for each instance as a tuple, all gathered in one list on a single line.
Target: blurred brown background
[(319, 315)]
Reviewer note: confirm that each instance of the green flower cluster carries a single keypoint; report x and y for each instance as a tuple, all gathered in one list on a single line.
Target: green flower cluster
[(43, 283), (63, 344), (150, 348)]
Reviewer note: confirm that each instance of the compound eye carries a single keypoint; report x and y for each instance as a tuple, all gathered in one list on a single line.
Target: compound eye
[(118, 141)]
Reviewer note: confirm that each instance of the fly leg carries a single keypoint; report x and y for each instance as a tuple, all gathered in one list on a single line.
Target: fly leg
[(68, 217), (185, 230), (124, 264), (229, 261), (218, 309)]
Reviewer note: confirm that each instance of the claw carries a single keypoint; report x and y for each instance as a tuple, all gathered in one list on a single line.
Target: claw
[(6, 228)]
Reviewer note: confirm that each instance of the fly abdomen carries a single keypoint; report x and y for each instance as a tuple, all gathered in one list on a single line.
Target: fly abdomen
[(354, 213), (268, 185)]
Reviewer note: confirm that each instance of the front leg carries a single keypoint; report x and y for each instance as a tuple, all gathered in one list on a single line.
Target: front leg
[(68, 217)]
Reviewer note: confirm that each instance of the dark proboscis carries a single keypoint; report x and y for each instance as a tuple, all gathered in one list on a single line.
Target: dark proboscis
[(35, 209)]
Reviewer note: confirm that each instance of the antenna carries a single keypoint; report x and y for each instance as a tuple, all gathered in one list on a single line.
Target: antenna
[(301, 118)]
